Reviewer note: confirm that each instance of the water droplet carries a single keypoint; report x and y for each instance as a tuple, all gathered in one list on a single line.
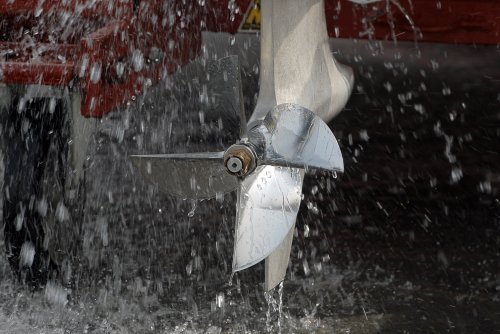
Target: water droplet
[(137, 60), (62, 213), (42, 207), (120, 69), (38, 11), (255, 69), (435, 65), (219, 300), (456, 174), (305, 266), (388, 86), (363, 135), (55, 294), (95, 72), (314, 190), (485, 187), (420, 108), (306, 231), (27, 254), (193, 209), (52, 105)]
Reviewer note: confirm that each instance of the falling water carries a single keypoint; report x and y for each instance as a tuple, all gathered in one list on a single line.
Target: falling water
[(274, 313)]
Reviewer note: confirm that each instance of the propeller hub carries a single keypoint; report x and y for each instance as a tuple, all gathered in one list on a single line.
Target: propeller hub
[(239, 160)]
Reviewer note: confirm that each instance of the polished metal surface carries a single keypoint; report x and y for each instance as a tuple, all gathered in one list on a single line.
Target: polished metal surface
[(234, 165), (245, 154), (293, 136), (268, 199), (190, 175), (268, 202)]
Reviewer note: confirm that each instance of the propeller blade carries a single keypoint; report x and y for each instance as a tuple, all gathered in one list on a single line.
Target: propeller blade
[(187, 175), (299, 138), (238, 91), (267, 206), (277, 262), (226, 102)]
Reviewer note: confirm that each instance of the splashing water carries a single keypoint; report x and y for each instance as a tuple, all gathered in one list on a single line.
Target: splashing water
[(369, 18), (274, 314), (193, 208)]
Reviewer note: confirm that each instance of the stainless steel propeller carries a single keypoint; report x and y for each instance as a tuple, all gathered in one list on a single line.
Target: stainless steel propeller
[(266, 167)]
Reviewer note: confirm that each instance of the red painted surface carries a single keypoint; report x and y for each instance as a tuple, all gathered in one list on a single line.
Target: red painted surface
[(106, 36), (442, 21), (219, 16), (109, 35), (79, 7)]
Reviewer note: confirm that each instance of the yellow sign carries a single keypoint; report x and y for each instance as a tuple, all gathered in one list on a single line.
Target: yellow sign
[(251, 23)]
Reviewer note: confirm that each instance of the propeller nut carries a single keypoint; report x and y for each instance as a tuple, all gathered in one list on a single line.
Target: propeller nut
[(239, 160), (234, 165)]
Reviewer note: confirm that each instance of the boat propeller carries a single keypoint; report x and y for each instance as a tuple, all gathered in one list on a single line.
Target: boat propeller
[(266, 167)]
